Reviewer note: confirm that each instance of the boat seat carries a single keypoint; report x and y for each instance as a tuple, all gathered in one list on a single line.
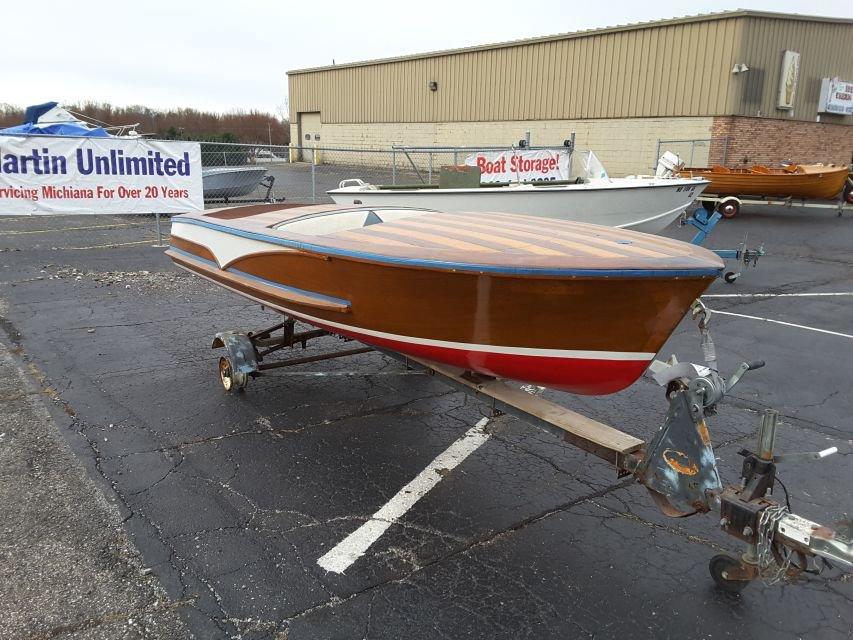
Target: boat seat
[(718, 168), (760, 168)]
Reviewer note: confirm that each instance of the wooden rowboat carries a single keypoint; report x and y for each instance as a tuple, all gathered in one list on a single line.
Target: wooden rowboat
[(567, 305), (807, 181)]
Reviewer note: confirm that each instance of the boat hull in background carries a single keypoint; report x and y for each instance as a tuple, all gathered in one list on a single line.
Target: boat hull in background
[(639, 204), (230, 182), (815, 182)]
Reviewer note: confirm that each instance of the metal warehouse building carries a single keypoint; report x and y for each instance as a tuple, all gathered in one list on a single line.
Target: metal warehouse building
[(763, 86)]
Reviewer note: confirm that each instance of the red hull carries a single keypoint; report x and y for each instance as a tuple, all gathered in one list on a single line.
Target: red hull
[(587, 376)]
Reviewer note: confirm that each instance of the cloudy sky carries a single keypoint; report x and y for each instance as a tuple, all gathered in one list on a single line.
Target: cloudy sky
[(223, 55)]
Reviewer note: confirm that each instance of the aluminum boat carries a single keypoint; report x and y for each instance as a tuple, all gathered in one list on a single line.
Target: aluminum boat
[(648, 204), (567, 305)]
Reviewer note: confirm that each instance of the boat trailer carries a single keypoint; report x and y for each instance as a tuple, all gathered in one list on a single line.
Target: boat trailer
[(730, 206), (677, 465)]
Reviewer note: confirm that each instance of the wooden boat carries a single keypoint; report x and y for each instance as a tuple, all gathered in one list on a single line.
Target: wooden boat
[(648, 204), (573, 306), (807, 181)]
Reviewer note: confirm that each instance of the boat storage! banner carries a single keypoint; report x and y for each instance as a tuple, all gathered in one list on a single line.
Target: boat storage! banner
[(50, 174), (521, 166)]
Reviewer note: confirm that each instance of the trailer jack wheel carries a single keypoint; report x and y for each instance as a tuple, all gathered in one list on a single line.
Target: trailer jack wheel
[(231, 379), (720, 566), (731, 276)]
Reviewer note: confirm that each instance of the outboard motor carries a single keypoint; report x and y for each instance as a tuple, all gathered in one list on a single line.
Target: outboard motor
[(668, 165)]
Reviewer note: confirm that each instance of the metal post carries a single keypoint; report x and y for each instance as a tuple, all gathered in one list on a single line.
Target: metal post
[(656, 158), (430, 168), (527, 138), (571, 155), (313, 183), (767, 434), (692, 149), (159, 231), (393, 166), (224, 159), (455, 157)]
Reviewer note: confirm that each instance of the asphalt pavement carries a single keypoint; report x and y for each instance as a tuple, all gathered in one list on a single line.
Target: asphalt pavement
[(231, 500)]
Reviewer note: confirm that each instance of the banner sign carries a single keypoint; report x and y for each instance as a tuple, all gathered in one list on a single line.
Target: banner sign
[(50, 174), (520, 166), (836, 96)]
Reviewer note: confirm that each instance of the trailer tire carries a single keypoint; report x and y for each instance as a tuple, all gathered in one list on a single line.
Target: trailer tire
[(718, 566), (232, 380), (731, 276), (729, 208), (848, 192)]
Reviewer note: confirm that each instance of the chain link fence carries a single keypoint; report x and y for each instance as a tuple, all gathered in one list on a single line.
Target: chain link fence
[(698, 152), (236, 174)]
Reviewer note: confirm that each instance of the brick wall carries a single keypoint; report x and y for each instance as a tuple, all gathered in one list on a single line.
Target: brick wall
[(771, 141)]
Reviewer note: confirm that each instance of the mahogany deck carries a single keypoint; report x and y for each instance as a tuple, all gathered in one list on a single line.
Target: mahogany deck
[(488, 239)]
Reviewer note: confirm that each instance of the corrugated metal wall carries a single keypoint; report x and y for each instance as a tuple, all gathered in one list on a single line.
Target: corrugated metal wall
[(681, 69), (825, 49)]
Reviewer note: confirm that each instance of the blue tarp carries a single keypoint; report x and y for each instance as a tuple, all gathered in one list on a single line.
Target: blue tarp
[(36, 111), (56, 129), (31, 127)]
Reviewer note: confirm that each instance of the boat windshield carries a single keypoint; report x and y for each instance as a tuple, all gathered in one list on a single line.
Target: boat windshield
[(323, 224)]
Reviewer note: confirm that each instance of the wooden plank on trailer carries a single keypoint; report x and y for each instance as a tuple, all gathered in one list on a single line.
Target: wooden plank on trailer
[(579, 428)]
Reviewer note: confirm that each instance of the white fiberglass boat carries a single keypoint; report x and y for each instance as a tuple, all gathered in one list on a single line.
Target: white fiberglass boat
[(646, 204)]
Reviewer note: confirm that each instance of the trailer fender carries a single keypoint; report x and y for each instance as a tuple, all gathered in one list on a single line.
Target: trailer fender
[(241, 351)]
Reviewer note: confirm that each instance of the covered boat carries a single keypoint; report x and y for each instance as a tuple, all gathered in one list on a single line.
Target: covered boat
[(807, 181), (572, 306), (643, 203)]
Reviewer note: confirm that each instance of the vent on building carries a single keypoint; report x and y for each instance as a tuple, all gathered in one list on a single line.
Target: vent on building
[(753, 93)]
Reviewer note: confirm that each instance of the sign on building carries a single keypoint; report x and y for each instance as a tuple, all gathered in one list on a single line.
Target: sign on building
[(50, 174), (788, 79), (520, 166), (836, 96)]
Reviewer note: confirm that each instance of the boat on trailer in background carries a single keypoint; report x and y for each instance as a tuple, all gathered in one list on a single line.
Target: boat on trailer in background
[(789, 185), (638, 203)]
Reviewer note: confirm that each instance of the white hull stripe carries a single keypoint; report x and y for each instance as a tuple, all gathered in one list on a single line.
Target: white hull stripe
[(443, 344)]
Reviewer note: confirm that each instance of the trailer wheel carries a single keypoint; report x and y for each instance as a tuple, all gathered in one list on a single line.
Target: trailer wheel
[(729, 208), (719, 566), (731, 276), (231, 380), (848, 192)]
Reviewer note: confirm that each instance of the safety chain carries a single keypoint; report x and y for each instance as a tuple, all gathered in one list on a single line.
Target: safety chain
[(770, 517)]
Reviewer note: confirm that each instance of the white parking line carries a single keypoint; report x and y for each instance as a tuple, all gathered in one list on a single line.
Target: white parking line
[(774, 295), (351, 548), (787, 324)]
